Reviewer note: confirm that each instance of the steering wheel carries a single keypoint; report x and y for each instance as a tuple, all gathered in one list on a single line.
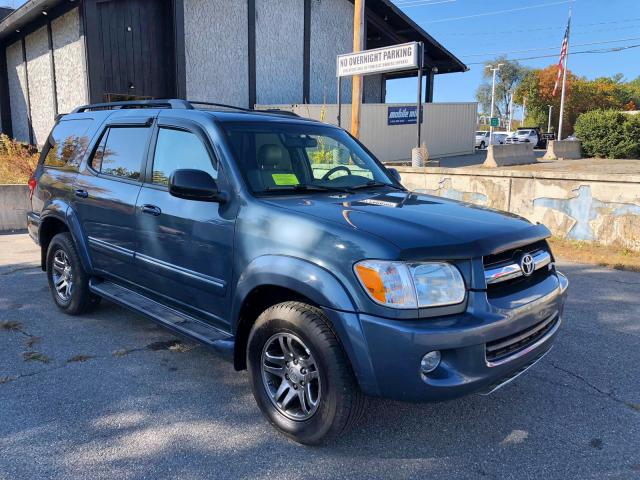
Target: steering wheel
[(334, 170)]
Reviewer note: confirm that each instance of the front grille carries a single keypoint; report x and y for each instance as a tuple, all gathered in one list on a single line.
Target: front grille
[(505, 347), (516, 281)]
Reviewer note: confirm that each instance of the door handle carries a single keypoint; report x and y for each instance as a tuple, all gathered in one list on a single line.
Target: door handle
[(151, 210), (81, 193)]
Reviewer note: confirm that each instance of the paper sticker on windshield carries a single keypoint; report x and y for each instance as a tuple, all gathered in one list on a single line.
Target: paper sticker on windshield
[(285, 179)]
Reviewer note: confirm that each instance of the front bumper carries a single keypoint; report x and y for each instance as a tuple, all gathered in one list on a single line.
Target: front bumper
[(396, 347)]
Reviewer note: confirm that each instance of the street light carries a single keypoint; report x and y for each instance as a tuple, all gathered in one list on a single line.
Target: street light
[(549, 125), (494, 69)]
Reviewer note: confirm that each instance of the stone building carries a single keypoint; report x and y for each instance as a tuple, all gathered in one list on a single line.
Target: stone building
[(58, 54)]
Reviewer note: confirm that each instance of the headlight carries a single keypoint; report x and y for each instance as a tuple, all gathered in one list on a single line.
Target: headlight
[(411, 285)]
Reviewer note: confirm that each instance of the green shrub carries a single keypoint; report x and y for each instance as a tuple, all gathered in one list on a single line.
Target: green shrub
[(609, 134)]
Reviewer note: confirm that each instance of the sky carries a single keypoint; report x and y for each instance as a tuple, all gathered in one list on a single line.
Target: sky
[(498, 26)]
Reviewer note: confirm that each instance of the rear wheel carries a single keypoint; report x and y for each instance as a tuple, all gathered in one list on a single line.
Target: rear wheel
[(68, 282), (300, 375)]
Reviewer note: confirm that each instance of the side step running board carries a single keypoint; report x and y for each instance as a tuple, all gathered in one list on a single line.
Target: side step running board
[(168, 317)]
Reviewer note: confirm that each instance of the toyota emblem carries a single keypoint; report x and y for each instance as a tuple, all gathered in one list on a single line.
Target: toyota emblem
[(527, 264)]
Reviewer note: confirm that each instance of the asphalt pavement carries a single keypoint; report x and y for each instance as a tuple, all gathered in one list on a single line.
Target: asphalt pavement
[(111, 395)]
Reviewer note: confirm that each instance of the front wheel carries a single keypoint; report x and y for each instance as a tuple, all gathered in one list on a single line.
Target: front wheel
[(300, 375)]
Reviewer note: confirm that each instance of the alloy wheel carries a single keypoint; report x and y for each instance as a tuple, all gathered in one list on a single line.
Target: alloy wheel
[(62, 275), (290, 376)]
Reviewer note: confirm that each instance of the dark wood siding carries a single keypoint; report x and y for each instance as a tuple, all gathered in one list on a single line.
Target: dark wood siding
[(137, 56)]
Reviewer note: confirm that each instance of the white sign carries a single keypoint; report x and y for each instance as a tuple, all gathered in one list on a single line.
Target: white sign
[(387, 59)]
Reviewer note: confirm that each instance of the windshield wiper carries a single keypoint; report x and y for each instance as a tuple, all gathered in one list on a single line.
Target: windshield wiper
[(375, 183)]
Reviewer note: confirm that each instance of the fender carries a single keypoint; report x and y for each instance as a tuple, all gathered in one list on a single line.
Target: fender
[(324, 289), (62, 211)]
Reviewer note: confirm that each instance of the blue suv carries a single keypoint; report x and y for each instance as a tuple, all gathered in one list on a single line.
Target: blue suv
[(286, 246)]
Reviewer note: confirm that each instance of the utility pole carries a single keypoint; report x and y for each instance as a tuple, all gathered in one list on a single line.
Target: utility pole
[(510, 108), (494, 69), (549, 124), (356, 81), (564, 78), (524, 110)]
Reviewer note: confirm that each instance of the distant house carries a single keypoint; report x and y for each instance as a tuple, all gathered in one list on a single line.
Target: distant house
[(58, 54)]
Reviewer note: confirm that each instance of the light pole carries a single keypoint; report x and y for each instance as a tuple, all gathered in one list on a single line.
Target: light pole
[(549, 125), (524, 110), (510, 108), (494, 69)]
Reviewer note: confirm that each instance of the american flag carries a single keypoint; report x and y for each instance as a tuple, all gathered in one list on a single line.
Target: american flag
[(563, 54)]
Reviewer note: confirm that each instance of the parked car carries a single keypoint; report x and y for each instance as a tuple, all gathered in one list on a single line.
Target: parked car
[(283, 244), (525, 135), (482, 139), (499, 138)]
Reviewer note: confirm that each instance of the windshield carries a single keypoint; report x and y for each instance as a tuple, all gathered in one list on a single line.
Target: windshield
[(282, 157), (523, 132), (481, 134)]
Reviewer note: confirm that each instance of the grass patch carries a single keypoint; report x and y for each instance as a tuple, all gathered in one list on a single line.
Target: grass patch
[(610, 256), (11, 326), (80, 358), (123, 352), (35, 357), (31, 341)]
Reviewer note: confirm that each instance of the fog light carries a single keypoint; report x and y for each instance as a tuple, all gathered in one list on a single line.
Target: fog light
[(430, 362)]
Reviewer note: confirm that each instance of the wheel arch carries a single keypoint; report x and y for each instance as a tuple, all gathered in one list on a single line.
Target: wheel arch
[(273, 279)]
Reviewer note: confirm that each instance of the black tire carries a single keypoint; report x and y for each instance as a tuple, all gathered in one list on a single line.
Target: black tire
[(80, 299), (341, 402)]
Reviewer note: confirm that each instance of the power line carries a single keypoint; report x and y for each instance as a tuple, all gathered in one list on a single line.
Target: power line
[(540, 29), (550, 48), (604, 50), (500, 12)]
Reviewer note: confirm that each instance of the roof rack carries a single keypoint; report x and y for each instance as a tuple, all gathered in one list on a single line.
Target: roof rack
[(172, 104)]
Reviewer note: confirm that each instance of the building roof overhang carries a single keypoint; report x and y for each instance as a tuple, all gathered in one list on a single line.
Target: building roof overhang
[(388, 25)]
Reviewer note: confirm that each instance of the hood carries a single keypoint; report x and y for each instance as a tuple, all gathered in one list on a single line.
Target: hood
[(421, 226)]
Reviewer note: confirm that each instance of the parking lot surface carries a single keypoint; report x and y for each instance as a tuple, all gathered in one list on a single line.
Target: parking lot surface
[(110, 395)]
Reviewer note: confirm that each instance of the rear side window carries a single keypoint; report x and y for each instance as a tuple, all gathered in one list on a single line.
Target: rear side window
[(121, 152), (67, 144), (179, 149)]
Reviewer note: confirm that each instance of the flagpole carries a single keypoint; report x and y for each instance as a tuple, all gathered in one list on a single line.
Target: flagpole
[(564, 79)]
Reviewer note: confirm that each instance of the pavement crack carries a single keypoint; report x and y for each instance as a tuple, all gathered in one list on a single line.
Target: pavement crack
[(610, 394), (16, 270)]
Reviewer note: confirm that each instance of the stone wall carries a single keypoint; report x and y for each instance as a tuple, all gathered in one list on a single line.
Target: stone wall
[(14, 204), (589, 207)]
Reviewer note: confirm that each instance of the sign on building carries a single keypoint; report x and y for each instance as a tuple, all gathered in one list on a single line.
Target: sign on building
[(379, 60), (402, 115)]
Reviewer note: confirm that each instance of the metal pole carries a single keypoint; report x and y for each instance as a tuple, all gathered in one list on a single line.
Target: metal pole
[(524, 109), (419, 102), (339, 101), (564, 80), (549, 124), (493, 93), (510, 109)]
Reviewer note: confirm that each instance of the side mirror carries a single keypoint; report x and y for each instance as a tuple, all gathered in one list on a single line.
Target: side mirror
[(194, 185), (395, 174)]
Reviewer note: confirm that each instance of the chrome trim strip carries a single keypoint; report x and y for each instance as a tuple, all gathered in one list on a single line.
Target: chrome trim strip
[(513, 270), (109, 247), (170, 267), (528, 349), (512, 378)]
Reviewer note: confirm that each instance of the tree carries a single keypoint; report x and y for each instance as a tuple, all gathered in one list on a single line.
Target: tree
[(509, 76), (582, 95)]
